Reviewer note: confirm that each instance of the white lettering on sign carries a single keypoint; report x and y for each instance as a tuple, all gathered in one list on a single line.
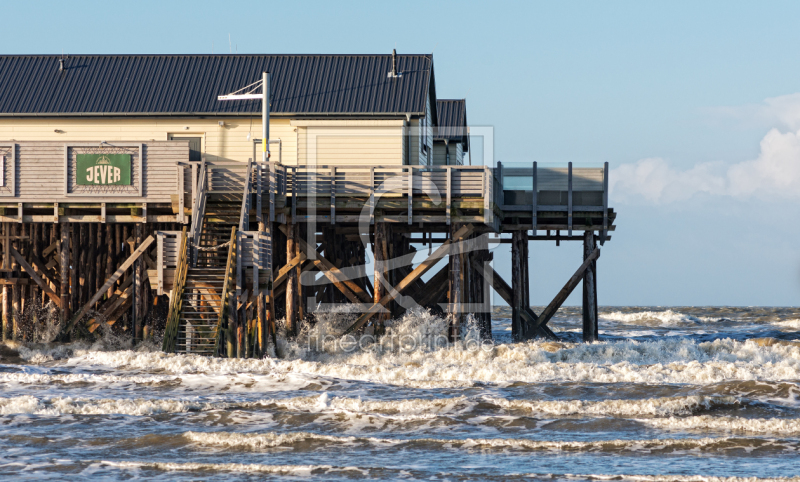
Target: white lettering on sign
[(103, 174)]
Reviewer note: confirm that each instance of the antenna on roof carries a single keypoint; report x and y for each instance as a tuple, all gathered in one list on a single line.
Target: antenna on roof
[(61, 67), (394, 73)]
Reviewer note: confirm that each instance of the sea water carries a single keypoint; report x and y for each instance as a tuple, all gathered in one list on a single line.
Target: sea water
[(684, 394)]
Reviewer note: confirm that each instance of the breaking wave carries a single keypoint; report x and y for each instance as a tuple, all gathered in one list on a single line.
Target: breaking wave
[(782, 426), (310, 441)]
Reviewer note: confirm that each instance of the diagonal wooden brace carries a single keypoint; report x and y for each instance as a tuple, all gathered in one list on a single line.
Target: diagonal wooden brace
[(35, 277), (420, 270), (110, 281), (352, 291), (504, 290), (566, 290)]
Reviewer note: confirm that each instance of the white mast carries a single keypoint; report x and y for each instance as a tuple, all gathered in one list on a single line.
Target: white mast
[(264, 96)]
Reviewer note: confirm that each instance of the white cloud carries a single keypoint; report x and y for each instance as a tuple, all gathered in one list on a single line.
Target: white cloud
[(775, 173)]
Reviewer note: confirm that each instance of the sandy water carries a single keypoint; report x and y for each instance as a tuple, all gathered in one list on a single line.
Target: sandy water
[(668, 394)]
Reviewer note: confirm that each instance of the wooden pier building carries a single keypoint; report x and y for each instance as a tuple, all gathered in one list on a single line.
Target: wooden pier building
[(131, 196)]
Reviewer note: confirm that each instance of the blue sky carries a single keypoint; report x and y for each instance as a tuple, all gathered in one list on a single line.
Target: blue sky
[(691, 104)]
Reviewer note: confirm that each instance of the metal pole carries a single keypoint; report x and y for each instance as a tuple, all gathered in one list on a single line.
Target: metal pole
[(265, 117)]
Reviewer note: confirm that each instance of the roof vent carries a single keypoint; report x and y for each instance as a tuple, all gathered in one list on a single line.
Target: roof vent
[(394, 73)]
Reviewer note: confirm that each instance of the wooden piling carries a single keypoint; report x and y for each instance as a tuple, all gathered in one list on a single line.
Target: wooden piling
[(589, 290), (292, 282), (380, 255), (64, 262), (138, 290), (7, 324), (455, 298), (517, 284)]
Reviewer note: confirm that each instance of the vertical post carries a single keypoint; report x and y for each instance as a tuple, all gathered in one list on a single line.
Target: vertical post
[(291, 280), (16, 288), (110, 250), (589, 291), (265, 117), (604, 233), (372, 195), (138, 300), (449, 193), (160, 261), (6, 328), (230, 343), (64, 262), (534, 198), (516, 284), (410, 194), (333, 195), (526, 283), (455, 292), (380, 255), (569, 198)]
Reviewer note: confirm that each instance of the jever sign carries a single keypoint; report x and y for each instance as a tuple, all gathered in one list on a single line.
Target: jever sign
[(103, 169)]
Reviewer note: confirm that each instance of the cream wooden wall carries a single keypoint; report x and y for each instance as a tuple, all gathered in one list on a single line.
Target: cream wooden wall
[(375, 142), (219, 143), (363, 142)]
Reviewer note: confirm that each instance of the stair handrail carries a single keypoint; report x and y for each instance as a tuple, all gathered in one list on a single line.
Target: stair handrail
[(244, 214), (198, 211), (230, 274), (176, 300)]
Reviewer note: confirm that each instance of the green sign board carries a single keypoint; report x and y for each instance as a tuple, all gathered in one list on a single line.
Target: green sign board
[(103, 169)]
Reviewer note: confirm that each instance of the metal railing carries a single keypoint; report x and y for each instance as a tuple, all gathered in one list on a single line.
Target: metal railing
[(198, 210), (176, 300), (225, 302)]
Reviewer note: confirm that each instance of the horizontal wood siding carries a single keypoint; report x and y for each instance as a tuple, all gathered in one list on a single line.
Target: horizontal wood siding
[(369, 146), (439, 154), (219, 143), (41, 169)]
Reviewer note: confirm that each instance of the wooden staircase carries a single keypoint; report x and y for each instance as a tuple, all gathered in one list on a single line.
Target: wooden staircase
[(218, 250)]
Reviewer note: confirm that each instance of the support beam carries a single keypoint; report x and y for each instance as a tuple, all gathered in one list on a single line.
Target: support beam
[(350, 289), (589, 291), (566, 290), (35, 277), (110, 282), (420, 270), (63, 256), (504, 290), (292, 281), (456, 292), (380, 272)]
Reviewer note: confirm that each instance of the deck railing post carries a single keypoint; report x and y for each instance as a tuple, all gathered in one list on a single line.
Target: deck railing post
[(410, 194), (604, 233), (569, 198), (534, 197), (333, 195), (449, 192), (371, 195)]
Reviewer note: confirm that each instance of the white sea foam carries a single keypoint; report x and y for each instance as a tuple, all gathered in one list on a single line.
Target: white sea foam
[(782, 426), (396, 409), (789, 324), (667, 360), (295, 470), (269, 440), (622, 408), (315, 470), (670, 478), (653, 318)]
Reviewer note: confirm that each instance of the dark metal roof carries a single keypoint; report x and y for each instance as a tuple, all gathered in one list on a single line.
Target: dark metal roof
[(189, 84), (452, 121)]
